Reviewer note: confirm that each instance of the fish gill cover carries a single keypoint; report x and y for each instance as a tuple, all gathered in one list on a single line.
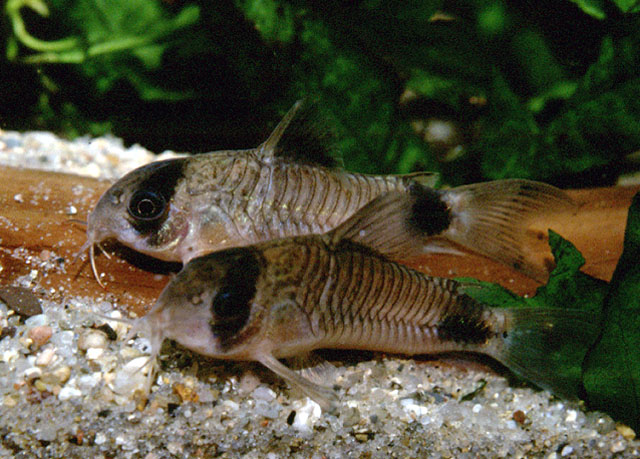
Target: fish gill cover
[(610, 369), (473, 89)]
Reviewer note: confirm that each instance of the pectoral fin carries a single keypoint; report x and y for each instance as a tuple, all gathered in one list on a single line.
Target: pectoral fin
[(323, 396), (313, 367)]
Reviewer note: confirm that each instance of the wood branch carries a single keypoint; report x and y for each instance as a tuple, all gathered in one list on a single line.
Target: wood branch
[(39, 238)]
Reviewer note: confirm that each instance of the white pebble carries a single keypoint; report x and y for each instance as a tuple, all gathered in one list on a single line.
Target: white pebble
[(100, 438), (88, 382), (175, 448), (45, 357), (572, 415), (94, 353), (92, 339), (63, 339), (263, 393), (36, 321), (618, 447), (131, 377), (205, 395), (231, 405), (68, 392), (566, 451), (32, 373), (306, 415), (410, 406), (476, 408), (9, 356)]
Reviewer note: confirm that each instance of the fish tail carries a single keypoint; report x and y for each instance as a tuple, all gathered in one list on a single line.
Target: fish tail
[(545, 346), (495, 219)]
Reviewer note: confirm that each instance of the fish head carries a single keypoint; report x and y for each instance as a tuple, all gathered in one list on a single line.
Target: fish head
[(211, 306), (141, 211)]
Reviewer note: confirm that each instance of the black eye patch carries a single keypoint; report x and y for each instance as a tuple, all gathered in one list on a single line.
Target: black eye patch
[(231, 307), (224, 305)]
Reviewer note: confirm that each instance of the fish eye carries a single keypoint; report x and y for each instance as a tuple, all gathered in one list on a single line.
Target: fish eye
[(147, 205)]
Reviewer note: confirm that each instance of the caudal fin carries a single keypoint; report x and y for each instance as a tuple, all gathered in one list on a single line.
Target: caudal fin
[(494, 219), (546, 346)]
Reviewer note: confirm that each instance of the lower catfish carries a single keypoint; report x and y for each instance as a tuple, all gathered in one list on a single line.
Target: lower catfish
[(290, 296)]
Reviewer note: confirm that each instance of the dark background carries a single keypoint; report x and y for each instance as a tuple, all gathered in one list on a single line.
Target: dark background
[(548, 90)]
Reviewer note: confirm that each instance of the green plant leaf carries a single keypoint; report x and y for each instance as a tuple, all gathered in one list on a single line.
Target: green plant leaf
[(600, 121), (612, 367), (628, 6), (593, 8), (107, 35), (273, 19), (567, 288)]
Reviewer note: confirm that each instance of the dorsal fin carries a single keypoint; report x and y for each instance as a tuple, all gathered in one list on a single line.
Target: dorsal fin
[(301, 137)]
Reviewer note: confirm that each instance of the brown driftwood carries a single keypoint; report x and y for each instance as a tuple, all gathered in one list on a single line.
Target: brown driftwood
[(38, 237)]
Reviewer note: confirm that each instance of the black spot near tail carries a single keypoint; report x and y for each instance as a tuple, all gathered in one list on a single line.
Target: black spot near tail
[(161, 180), (429, 214), (231, 307), (464, 326)]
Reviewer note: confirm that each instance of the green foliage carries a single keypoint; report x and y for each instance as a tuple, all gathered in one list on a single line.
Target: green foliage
[(592, 7), (521, 99), (612, 369), (567, 286), (115, 40), (597, 8)]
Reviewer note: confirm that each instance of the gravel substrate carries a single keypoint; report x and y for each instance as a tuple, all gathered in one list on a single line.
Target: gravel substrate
[(71, 387)]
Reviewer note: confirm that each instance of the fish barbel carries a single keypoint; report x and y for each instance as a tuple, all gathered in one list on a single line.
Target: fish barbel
[(182, 208), (287, 297)]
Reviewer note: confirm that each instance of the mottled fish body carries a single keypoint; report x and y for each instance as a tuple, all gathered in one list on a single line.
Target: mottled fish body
[(182, 208), (291, 296)]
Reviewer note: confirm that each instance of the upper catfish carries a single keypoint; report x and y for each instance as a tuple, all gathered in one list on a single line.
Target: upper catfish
[(178, 209)]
